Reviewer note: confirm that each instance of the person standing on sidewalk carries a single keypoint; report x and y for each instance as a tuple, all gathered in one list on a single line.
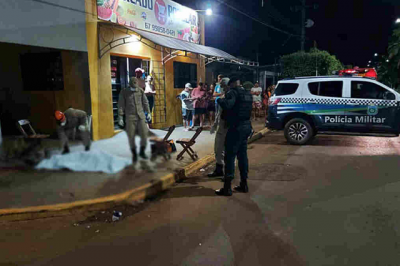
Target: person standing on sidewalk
[(218, 91), (150, 92), (187, 106), (72, 119), (219, 143), (133, 104), (237, 106), (140, 80), (199, 96), (211, 105), (257, 104)]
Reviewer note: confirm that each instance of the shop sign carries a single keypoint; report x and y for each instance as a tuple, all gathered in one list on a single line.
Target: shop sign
[(158, 16)]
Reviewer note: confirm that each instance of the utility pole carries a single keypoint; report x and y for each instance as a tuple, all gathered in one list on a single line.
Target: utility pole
[(303, 25)]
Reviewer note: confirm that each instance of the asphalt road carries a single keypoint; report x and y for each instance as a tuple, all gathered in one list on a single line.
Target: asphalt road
[(333, 202)]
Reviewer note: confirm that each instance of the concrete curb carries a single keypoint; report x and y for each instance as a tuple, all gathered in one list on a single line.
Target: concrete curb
[(150, 189)]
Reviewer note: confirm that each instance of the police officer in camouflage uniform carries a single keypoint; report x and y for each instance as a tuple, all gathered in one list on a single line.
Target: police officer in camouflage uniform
[(237, 106), (221, 128), (133, 104), (67, 122)]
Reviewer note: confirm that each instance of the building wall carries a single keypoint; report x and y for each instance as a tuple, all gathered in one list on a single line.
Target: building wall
[(39, 106), (174, 106), (100, 73), (56, 24)]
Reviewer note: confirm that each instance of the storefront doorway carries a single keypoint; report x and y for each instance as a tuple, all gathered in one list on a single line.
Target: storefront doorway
[(122, 68)]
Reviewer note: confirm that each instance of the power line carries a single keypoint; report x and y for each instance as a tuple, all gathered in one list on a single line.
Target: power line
[(257, 20)]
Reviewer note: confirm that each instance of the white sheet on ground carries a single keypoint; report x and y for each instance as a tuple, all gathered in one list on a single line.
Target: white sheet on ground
[(80, 161)]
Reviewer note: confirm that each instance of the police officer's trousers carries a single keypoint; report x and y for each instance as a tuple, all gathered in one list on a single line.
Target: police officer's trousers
[(236, 145), (133, 125), (65, 133), (219, 144)]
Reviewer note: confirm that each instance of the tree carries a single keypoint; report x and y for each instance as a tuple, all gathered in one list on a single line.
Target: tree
[(248, 85), (387, 73), (315, 62), (394, 56)]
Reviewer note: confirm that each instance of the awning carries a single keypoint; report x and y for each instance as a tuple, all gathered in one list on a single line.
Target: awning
[(211, 54)]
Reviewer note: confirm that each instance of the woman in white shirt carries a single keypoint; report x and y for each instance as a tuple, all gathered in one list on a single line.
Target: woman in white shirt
[(150, 91)]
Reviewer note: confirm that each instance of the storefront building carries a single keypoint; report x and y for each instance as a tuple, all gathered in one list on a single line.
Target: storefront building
[(44, 63), (81, 53), (163, 37)]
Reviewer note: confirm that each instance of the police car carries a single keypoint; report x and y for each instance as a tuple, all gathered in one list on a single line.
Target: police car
[(307, 105)]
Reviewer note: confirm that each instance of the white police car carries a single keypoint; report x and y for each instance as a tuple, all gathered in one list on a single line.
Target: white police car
[(307, 105)]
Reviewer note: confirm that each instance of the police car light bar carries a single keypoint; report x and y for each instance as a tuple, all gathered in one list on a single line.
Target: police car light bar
[(334, 76)]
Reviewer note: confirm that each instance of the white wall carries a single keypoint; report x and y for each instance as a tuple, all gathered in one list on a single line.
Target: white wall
[(46, 23)]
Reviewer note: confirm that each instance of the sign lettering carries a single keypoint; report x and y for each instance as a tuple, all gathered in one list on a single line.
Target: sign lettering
[(357, 119), (159, 16)]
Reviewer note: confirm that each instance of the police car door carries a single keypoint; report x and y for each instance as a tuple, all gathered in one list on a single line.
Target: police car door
[(325, 104), (371, 107)]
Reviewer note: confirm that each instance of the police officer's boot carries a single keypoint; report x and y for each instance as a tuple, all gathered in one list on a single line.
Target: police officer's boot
[(142, 154), (226, 190), (242, 187), (217, 172), (134, 156), (87, 148)]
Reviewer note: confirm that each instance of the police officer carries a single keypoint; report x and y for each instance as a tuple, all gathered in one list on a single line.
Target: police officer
[(237, 106), (67, 122), (221, 129), (133, 104)]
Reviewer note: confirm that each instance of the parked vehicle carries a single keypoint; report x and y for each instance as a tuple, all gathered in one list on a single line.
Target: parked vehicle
[(308, 105)]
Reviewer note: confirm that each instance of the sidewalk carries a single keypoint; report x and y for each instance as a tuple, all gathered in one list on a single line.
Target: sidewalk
[(26, 188)]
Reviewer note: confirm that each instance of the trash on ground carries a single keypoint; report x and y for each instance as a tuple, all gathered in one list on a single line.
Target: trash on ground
[(76, 224), (97, 231), (116, 216), (88, 227), (202, 170)]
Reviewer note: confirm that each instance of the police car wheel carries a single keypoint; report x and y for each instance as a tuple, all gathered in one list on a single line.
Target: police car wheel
[(298, 131)]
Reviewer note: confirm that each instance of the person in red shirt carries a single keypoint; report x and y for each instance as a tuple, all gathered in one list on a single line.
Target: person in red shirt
[(199, 96)]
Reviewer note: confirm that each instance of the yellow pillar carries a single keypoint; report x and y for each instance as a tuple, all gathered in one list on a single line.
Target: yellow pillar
[(93, 59)]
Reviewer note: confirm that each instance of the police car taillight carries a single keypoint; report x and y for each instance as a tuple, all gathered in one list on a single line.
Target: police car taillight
[(274, 101)]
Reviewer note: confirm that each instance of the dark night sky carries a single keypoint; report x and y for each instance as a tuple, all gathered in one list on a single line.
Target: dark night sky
[(351, 30)]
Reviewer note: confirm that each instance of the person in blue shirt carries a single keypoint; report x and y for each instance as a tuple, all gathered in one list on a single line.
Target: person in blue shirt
[(218, 92)]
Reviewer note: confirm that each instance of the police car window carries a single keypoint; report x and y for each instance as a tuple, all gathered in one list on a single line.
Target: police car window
[(326, 88), (286, 89), (369, 90)]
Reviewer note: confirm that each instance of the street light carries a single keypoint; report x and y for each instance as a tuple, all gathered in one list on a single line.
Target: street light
[(387, 60), (376, 54), (398, 20), (208, 11), (369, 62)]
